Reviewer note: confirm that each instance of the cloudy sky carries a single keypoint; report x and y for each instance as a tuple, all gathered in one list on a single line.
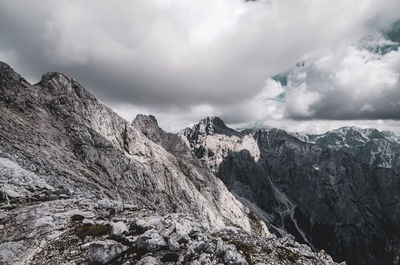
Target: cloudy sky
[(301, 65)]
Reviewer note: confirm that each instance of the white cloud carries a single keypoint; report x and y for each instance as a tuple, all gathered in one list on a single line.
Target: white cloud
[(300, 100), (348, 83)]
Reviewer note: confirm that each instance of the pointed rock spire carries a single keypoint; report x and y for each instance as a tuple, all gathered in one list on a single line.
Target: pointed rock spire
[(214, 125)]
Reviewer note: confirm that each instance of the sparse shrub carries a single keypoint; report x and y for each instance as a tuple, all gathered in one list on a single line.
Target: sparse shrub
[(93, 230)]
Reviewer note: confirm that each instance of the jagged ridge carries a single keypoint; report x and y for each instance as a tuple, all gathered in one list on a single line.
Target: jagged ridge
[(377, 148), (79, 184), (326, 198)]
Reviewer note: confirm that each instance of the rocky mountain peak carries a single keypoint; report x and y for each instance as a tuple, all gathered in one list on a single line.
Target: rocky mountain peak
[(213, 120), (143, 120), (311, 189), (148, 125), (9, 76), (374, 147), (391, 136), (214, 125), (5, 69), (54, 75), (357, 131), (60, 84)]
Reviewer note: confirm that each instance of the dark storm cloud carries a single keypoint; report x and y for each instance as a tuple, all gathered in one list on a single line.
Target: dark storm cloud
[(185, 59)]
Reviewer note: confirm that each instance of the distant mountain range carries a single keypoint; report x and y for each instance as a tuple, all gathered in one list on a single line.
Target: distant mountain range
[(374, 147)]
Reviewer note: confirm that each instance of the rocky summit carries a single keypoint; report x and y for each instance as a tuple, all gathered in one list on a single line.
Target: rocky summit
[(327, 198), (81, 185)]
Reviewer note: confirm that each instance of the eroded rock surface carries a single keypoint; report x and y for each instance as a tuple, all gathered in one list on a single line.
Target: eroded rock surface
[(326, 198), (80, 185)]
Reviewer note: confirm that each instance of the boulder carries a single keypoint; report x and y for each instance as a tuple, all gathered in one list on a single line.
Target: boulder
[(102, 252)]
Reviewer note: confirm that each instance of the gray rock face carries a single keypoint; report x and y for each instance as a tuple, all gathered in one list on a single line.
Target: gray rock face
[(104, 252), (59, 130), (81, 185), (326, 198)]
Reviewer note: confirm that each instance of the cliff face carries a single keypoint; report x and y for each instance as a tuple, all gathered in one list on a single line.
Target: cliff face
[(79, 184), (57, 128), (326, 198)]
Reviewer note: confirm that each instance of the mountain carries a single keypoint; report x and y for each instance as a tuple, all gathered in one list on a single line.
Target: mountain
[(81, 185), (326, 198), (377, 148)]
